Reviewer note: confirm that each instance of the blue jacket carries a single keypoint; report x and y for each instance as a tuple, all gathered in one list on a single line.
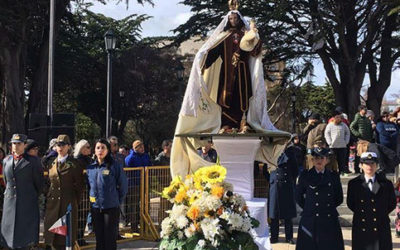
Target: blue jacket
[(387, 134), (135, 159), (108, 185)]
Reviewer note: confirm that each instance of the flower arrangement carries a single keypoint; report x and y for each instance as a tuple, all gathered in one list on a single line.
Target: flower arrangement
[(206, 214)]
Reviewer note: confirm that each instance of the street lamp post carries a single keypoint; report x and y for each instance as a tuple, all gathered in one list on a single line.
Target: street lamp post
[(110, 42), (293, 98)]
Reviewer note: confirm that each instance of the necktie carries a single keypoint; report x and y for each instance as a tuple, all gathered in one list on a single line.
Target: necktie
[(370, 183), (17, 157)]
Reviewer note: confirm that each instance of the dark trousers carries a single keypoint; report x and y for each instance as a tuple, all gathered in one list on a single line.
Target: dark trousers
[(341, 154), (275, 229), (357, 164), (105, 222)]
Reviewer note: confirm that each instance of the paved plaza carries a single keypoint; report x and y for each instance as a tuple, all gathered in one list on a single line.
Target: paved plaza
[(146, 245)]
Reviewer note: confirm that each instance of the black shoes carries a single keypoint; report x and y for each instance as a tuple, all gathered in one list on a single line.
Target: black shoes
[(291, 242)]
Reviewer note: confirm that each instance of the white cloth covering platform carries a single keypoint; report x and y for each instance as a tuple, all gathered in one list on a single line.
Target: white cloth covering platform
[(237, 156)]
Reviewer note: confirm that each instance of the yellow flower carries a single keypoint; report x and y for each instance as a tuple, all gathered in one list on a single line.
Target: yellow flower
[(172, 189), (217, 191), (211, 174), (193, 198), (197, 183), (181, 195), (193, 213)]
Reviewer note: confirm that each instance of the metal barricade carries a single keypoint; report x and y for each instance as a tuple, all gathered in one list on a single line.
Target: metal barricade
[(157, 178), (143, 209)]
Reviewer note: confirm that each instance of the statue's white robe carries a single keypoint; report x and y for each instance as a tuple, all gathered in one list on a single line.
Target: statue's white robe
[(200, 112)]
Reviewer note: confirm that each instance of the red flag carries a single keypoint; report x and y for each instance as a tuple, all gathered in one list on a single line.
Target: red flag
[(60, 226)]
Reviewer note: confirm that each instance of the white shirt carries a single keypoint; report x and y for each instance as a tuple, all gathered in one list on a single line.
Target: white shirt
[(62, 159), (370, 184)]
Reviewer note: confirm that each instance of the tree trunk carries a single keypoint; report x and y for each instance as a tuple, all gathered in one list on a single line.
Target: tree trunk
[(380, 82), (12, 63)]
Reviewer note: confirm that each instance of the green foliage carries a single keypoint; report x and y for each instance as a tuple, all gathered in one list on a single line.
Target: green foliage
[(152, 92), (86, 128), (313, 98)]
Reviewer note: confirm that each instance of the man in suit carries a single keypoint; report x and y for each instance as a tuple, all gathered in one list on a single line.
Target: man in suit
[(23, 175), (318, 193), (371, 197)]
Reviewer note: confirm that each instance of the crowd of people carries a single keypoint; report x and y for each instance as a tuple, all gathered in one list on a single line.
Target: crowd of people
[(308, 174), (25, 185)]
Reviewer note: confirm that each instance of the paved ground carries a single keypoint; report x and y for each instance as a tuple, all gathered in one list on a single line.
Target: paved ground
[(146, 245)]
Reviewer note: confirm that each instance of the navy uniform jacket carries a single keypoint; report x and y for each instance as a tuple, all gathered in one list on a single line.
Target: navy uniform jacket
[(371, 223), (319, 195), (282, 182)]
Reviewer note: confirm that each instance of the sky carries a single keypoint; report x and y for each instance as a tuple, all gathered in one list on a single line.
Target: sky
[(168, 14)]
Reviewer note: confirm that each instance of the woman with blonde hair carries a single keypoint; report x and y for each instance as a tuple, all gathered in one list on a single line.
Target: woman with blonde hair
[(83, 154)]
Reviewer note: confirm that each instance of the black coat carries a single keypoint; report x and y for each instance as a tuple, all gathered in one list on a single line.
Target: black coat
[(282, 182), (20, 221), (319, 195), (388, 159), (371, 223)]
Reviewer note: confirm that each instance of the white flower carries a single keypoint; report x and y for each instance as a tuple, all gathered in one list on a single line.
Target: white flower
[(208, 203), (246, 225), (189, 232), (201, 243), (224, 215), (235, 220), (210, 228), (180, 235), (238, 200), (166, 227), (181, 221), (178, 210)]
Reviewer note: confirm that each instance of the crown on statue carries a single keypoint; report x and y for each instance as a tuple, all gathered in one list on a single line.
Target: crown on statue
[(233, 4)]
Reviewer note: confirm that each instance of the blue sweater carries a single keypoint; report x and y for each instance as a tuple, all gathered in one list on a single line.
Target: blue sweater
[(108, 185), (135, 159)]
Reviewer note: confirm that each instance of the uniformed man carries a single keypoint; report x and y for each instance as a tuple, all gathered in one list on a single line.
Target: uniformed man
[(281, 195), (371, 197), (23, 175), (319, 192)]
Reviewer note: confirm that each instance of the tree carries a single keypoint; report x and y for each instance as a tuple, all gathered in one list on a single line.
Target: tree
[(145, 74), (23, 41), (351, 38)]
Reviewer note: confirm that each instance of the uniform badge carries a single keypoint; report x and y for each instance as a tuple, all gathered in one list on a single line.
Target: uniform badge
[(106, 172)]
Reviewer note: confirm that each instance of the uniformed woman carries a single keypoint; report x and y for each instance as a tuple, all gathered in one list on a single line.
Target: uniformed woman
[(371, 197), (319, 192), (108, 188), (66, 185)]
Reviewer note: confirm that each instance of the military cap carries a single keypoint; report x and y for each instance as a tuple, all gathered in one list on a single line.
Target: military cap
[(18, 138), (63, 139), (369, 157), (321, 152), (30, 144)]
